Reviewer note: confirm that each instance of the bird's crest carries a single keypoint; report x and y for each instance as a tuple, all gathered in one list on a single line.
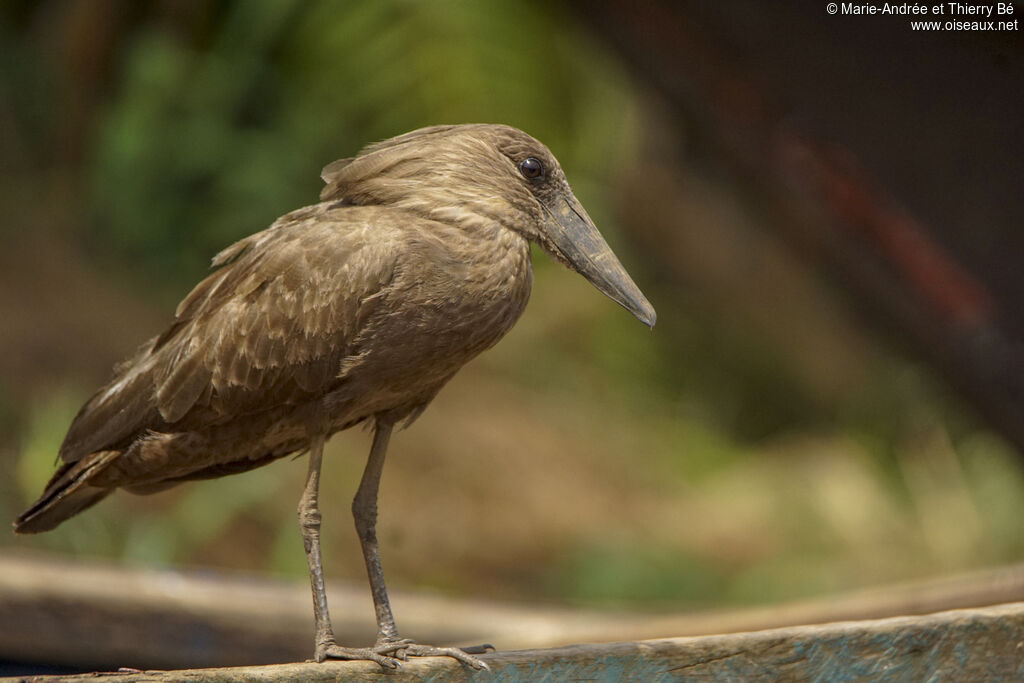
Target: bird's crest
[(344, 176)]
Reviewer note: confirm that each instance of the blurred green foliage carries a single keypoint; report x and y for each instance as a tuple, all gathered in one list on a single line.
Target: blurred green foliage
[(241, 125)]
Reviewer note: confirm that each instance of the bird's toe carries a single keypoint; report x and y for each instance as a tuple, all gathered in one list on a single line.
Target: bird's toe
[(377, 653), (417, 650), (396, 649)]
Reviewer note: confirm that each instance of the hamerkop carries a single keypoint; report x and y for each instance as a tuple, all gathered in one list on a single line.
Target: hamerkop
[(356, 309)]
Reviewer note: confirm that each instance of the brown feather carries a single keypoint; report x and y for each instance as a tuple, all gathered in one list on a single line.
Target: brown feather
[(363, 305)]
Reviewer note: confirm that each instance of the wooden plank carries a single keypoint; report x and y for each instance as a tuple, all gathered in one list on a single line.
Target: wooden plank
[(96, 616), (959, 645)]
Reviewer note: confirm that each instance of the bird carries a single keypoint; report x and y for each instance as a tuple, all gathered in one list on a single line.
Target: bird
[(354, 310)]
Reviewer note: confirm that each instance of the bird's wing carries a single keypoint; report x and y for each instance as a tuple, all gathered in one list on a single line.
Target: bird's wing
[(271, 325)]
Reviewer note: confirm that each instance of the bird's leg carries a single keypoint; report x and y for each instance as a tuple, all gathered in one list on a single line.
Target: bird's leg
[(309, 522), (364, 511)]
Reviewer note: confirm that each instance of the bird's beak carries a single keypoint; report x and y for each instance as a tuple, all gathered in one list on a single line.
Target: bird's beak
[(574, 235)]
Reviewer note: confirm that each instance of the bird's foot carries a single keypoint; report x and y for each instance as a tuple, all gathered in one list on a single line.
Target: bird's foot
[(386, 653), (463, 655)]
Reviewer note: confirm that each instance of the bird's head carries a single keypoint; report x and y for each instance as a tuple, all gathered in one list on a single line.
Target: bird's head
[(479, 175)]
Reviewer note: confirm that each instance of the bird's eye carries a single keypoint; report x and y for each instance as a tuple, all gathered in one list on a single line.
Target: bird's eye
[(531, 168)]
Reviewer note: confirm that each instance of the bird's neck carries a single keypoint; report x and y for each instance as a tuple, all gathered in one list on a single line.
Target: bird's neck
[(497, 257), (496, 281)]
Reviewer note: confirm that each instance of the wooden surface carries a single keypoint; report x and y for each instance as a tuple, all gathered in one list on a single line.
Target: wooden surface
[(105, 617), (962, 645)]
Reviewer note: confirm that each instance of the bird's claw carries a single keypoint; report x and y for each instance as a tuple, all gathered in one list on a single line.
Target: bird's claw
[(390, 654), (481, 649), (385, 653), (417, 650)]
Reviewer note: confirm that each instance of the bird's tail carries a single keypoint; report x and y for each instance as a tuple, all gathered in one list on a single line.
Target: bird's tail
[(68, 493)]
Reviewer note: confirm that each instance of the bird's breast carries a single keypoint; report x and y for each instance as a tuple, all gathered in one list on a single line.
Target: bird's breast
[(453, 296), (469, 289)]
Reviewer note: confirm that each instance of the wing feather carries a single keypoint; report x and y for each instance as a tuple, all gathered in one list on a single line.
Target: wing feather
[(272, 325)]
